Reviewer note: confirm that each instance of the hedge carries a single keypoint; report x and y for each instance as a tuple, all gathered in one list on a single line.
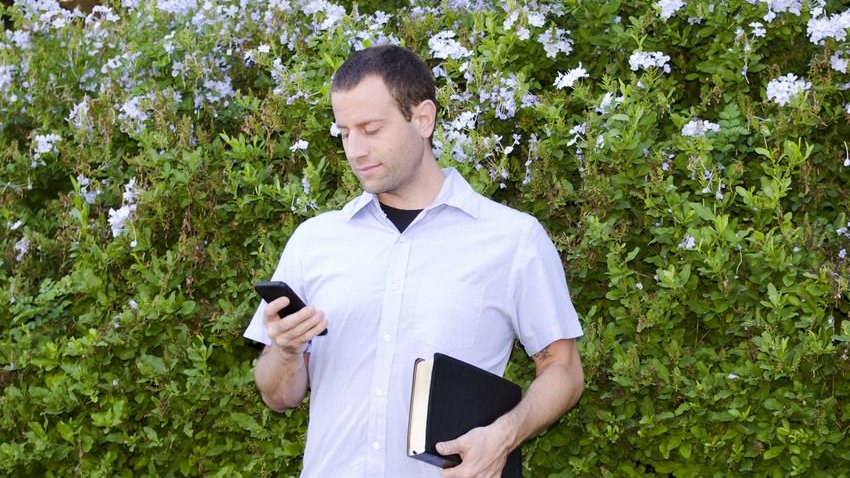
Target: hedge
[(689, 159)]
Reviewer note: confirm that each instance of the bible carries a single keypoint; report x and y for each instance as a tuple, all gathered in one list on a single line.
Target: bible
[(451, 397)]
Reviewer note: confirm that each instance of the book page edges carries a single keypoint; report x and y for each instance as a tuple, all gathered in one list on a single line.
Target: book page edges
[(419, 396)]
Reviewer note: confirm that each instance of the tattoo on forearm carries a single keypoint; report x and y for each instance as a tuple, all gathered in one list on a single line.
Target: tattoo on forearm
[(542, 355)]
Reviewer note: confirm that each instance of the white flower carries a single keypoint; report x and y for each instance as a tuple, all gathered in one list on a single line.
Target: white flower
[(536, 19), (16, 225), (119, 217), (688, 242), (647, 59), (264, 48), (732, 376), (697, 128), (669, 7), (510, 19), (443, 45), (22, 246), (177, 7), (554, 41), (838, 62), (758, 30), (842, 253), (335, 132), (569, 78), (45, 144), (607, 103), (774, 6), (784, 88), (523, 33), (835, 26), (134, 305), (7, 78), (79, 115), (577, 131), (299, 145)]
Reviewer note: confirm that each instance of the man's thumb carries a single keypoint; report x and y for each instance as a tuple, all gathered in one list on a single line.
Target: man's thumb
[(446, 447)]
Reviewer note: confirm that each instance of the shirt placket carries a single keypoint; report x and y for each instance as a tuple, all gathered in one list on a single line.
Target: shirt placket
[(384, 353)]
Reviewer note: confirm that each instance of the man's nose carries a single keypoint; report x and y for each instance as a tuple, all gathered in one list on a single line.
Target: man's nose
[(356, 146)]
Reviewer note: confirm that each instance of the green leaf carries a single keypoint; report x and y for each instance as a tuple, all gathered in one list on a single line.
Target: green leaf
[(773, 452)]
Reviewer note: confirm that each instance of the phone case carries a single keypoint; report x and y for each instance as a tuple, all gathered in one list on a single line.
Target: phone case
[(273, 290)]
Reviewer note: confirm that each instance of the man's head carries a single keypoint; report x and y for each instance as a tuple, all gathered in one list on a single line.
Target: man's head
[(405, 75), (383, 104)]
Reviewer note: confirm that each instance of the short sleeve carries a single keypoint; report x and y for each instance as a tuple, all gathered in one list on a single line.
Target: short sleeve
[(288, 270), (544, 311)]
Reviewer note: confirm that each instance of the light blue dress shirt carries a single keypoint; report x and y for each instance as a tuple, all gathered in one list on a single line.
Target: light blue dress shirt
[(465, 278)]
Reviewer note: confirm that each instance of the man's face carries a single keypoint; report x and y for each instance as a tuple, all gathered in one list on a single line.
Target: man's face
[(385, 150)]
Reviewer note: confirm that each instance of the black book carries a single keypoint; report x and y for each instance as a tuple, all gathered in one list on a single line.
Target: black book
[(451, 397)]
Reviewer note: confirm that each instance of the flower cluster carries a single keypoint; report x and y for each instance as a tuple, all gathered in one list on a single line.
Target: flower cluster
[(688, 242), (566, 80), (608, 103), (329, 13), (820, 28), (443, 45), (177, 7), (119, 217), (556, 40), (781, 6), (649, 59), (839, 60), (504, 95), (22, 247), (783, 89), (79, 116), (300, 145), (43, 144), (88, 196), (453, 134), (698, 127), (133, 113), (668, 8)]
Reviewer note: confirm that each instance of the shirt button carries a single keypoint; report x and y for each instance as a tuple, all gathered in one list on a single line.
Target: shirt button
[(387, 338), (376, 446), (402, 239), (394, 286), (379, 392)]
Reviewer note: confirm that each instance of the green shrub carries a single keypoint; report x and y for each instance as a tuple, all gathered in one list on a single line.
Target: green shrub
[(156, 156)]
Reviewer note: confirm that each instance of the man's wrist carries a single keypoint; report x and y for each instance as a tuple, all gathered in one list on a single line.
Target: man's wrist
[(287, 356), (507, 430)]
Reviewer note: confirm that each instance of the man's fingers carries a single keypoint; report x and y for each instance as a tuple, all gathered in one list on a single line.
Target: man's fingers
[(270, 314)]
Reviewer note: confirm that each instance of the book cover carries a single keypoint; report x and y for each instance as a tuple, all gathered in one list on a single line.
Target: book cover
[(451, 397)]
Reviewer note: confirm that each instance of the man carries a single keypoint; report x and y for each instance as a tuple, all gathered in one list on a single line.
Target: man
[(418, 264)]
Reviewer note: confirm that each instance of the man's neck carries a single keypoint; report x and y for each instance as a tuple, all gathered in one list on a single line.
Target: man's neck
[(421, 194)]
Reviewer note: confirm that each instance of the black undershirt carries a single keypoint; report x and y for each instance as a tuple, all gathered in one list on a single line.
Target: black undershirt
[(401, 218)]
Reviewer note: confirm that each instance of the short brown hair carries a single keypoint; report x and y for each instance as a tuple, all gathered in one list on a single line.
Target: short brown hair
[(406, 76)]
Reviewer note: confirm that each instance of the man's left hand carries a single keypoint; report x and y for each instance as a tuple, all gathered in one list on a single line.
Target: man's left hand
[(483, 452)]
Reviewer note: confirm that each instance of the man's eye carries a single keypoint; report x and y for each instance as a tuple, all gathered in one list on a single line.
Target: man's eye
[(371, 132)]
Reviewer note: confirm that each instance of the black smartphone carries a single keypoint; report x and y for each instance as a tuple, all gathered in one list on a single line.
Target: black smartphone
[(273, 290)]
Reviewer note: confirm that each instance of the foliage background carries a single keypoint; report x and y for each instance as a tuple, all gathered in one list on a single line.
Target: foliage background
[(155, 156)]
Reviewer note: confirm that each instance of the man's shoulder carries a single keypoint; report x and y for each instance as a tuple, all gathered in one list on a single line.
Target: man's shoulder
[(490, 210), (329, 220)]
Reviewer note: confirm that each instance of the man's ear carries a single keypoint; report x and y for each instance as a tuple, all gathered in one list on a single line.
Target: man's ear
[(424, 117)]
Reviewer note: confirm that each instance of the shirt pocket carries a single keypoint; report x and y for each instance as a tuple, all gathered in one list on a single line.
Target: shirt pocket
[(448, 314)]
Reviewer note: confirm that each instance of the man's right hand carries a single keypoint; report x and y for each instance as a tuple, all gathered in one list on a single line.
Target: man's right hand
[(291, 333)]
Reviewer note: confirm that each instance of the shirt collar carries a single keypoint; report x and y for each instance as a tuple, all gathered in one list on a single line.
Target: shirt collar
[(455, 192)]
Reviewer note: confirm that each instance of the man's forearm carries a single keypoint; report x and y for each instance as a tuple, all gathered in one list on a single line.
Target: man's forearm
[(556, 389), (281, 378)]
